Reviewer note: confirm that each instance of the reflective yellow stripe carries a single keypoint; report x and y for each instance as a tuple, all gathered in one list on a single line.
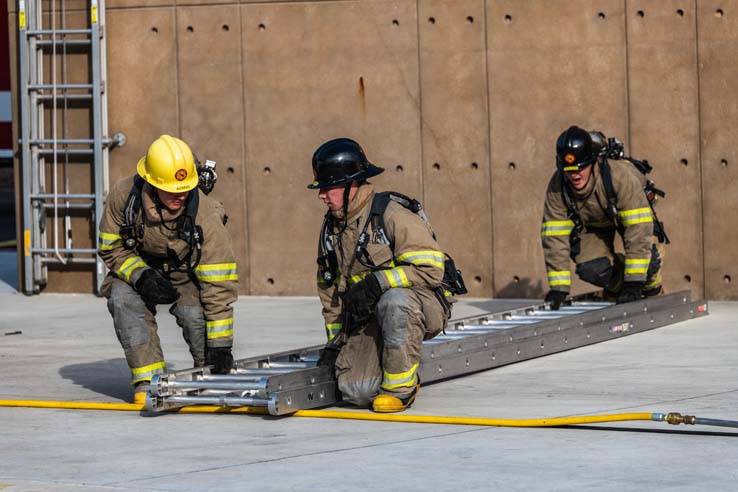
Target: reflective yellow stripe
[(146, 372), (129, 266), (402, 379), (428, 257), (396, 277), (637, 266), (355, 279), (220, 328), (571, 168), (557, 228), (559, 278), (332, 329), (636, 216), (107, 241), (216, 272)]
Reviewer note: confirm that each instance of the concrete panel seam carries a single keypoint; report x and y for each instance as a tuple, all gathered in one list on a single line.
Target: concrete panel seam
[(700, 147), (489, 150)]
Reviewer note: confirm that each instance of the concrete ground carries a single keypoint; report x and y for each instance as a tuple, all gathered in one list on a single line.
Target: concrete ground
[(62, 347)]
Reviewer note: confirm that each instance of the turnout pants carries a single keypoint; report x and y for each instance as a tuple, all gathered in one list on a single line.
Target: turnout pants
[(599, 264), (136, 329), (383, 355)]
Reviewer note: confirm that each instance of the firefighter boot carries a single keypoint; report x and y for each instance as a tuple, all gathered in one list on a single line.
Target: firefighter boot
[(385, 403), (140, 391)]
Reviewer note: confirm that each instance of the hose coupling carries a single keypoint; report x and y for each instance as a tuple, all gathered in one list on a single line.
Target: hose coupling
[(677, 418)]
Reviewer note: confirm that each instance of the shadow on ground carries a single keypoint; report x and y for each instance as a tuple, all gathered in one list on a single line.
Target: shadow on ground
[(110, 377)]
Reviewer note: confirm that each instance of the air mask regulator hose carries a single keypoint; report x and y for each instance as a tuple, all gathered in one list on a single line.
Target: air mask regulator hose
[(671, 418)]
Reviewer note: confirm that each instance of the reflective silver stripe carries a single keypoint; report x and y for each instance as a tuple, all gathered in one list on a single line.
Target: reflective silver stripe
[(557, 228)]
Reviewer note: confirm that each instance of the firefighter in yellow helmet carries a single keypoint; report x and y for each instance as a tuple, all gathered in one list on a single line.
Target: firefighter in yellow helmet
[(380, 280), (165, 242)]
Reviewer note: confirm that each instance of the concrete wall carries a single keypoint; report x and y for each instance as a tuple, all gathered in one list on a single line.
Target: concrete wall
[(461, 101)]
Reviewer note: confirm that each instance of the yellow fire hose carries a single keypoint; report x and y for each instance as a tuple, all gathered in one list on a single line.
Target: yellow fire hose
[(671, 418)]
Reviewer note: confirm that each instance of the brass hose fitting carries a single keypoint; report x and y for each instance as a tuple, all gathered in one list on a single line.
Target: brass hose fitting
[(675, 418)]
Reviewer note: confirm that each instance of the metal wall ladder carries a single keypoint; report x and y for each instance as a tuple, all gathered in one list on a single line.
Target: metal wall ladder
[(289, 381), (45, 45)]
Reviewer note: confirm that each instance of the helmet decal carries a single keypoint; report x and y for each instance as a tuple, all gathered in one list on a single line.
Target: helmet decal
[(570, 159), (180, 175)]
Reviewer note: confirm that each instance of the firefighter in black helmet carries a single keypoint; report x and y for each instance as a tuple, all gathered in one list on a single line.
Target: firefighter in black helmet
[(595, 194), (379, 271)]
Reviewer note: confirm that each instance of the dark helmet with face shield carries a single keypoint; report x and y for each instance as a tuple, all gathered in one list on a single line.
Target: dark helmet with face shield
[(341, 161)]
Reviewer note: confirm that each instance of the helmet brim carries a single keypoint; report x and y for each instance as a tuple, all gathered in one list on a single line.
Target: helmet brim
[(188, 184), (369, 171)]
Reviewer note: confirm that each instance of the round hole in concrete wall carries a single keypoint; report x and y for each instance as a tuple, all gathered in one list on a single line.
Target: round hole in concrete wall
[(225, 27), (470, 19), (516, 279), (474, 166), (724, 162), (508, 19), (719, 13), (399, 169), (270, 281), (478, 279), (727, 279), (641, 14), (262, 27), (436, 166), (684, 162), (431, 20), (395, 22), (267, 171), (511, 166), (230, 170), (680, 12), (688, 278), (190, 29), (155, 30), (601, 15)]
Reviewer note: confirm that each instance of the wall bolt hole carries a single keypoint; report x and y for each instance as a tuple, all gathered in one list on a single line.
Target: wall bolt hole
[(155, 30), (727, 279), (190, 29), (478, 279), (267, 171), (399, 169), (508, 19), (680, 12), (270, 281), (511, 166), (436, 166), (474, 166), (688, 278), (724, 162), (230, 170), (395, 23), (470, 19), (601, 15), (262, 27), (719, 13), (641, 14), (516, 279), (431, 20), (684, 162)]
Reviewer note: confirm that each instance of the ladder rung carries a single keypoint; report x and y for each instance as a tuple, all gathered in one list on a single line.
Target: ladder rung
[(71, 251), (63, 32), (62, 41), (41, 87), (76, 206), (68, 260), (69, 196), (49, 97), (62, 141), (66, 151)]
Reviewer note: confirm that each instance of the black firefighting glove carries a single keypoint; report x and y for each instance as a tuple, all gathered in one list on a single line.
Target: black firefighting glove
[(555, 298), (155, 289), (328, 357), (632, 291), (362, 297), (220, 358)]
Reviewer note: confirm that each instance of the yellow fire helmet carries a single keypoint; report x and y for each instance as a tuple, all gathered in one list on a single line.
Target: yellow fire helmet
[(169, 165)]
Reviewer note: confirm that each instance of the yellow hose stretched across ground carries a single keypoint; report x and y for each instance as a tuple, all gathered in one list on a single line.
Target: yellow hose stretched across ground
[(332, 414)]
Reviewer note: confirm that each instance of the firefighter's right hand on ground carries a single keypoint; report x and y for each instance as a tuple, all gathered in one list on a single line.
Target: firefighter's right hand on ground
[(220, 358), (362, 297), (155, 289), (632, 291), (555, 298)]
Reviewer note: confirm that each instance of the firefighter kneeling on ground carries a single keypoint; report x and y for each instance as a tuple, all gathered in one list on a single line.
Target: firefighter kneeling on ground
[(380, 281), (165, 242), (590, 199)]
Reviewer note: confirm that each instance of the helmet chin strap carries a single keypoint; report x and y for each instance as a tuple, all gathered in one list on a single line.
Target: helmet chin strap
[(346, 192)]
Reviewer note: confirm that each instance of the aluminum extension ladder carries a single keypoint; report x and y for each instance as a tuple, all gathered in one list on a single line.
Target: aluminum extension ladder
[(289, 381), (46, 159)]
